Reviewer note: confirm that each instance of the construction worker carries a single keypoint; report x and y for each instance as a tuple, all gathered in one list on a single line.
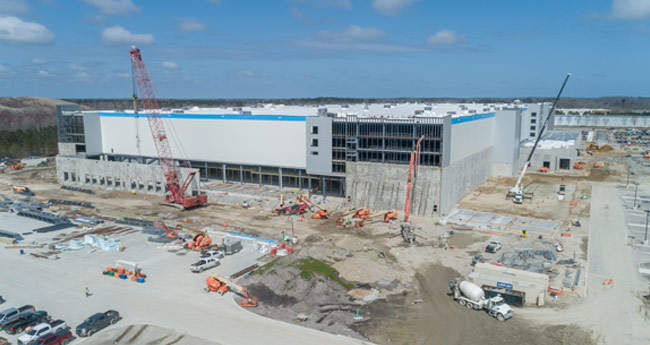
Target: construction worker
[(87, 292)]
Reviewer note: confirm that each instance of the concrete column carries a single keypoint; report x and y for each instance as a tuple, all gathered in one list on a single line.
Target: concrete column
[(300, 179), (241, 174), (223, 167), (309, 183), (280, 177), (206, 169), (259, 175), (322, 184)]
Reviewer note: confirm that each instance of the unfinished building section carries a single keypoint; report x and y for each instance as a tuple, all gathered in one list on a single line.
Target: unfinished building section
[(142, 178)]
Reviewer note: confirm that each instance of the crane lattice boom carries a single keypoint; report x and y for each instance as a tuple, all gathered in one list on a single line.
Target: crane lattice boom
[(160, 138)]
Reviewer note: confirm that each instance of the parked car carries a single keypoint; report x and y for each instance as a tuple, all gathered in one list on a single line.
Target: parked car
[(11, 314), (97, 322), (213, 253), (60, 337), (559, 248), (204, 264), (28, 320), (40, 330), (493, 247), (477, 258)]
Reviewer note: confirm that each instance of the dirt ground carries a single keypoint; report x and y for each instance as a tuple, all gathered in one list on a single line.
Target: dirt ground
[(413, 304), (429, 315)]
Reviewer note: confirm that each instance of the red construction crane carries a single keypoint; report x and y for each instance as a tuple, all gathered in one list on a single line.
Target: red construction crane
[(161, 141)]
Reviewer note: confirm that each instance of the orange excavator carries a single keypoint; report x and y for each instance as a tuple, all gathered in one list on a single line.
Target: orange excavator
[(171, 233), (222, 285), (320, 214), (388, 216)]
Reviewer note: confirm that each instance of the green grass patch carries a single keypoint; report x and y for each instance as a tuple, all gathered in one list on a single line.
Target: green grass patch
[(310, 266), (266, 267)]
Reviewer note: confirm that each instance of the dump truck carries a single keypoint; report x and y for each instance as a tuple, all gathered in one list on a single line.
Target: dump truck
[(472, 296)]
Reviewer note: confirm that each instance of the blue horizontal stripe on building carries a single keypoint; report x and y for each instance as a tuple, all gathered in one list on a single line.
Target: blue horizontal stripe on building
[(216, 117), (462, 119)]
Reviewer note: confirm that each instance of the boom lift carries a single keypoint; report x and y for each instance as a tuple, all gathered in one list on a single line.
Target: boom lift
[(150, 106), (407, 229), (388, 216), (321, 213), (221, 285), (517, 192), (169, 232)]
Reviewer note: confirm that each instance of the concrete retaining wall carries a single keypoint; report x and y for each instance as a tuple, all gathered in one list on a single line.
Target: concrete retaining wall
[(144, 179), (383, 187), (462, 176)]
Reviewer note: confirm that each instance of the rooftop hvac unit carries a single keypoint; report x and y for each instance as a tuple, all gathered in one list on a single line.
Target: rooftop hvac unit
[(428, 108)]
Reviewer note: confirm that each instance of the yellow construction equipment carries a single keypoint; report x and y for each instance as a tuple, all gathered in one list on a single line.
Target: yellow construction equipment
[(592, 147)]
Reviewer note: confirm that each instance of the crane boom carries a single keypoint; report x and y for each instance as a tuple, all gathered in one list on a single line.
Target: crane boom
[(517, 190), (160, 138), (413, 171)]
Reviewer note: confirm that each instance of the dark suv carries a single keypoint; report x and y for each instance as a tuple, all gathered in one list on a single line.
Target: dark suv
[(97, 322)]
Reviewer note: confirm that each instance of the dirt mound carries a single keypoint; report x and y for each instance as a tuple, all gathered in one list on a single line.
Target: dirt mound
[(363, 270), (305, 291), (599, 174), (429, 315), (606, 148)]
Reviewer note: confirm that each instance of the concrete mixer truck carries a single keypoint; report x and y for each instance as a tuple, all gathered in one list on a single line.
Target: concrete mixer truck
[(473, 297)]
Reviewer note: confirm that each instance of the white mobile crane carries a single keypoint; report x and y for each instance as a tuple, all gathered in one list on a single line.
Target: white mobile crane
[(517, 192)]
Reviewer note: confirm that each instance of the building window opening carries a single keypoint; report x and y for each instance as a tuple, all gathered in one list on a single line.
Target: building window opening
[(314, 129), (314, 143), (314, 153)]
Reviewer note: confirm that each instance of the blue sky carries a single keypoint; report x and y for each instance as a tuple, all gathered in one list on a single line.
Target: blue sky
[(312, 48)]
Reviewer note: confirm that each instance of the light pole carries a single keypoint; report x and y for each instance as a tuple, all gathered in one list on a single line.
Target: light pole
[(645, 238), (636, 187), (627, 182)]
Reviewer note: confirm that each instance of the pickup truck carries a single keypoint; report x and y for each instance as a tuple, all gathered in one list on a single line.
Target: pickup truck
[(214, 253), (27, 320), (60, 337), (40, 330), (11, 314), (204, 264), (97, 322)]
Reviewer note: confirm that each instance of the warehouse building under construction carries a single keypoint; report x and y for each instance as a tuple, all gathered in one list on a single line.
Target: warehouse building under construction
[(357, 151)]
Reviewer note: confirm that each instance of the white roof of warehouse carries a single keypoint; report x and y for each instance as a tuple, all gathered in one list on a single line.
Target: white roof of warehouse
[(387, 110)]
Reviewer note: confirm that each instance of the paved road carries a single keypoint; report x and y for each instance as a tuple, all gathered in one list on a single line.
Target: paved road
[(613, 312), (168, 299)]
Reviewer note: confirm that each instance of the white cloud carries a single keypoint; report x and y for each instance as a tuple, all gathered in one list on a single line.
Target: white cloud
[(326, 3), (123, 75), (123, 7), (387, 48), (246, 74), (76, 67), (390, 7), (14, 6), (352, 33), (3, 69), (631, 9), (118, 34), (190, 25), (42, 73), (14, 30), (37, 61), (445, 38), (169, 65)]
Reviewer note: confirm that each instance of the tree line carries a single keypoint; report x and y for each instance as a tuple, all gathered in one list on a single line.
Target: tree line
[(23, 143)]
